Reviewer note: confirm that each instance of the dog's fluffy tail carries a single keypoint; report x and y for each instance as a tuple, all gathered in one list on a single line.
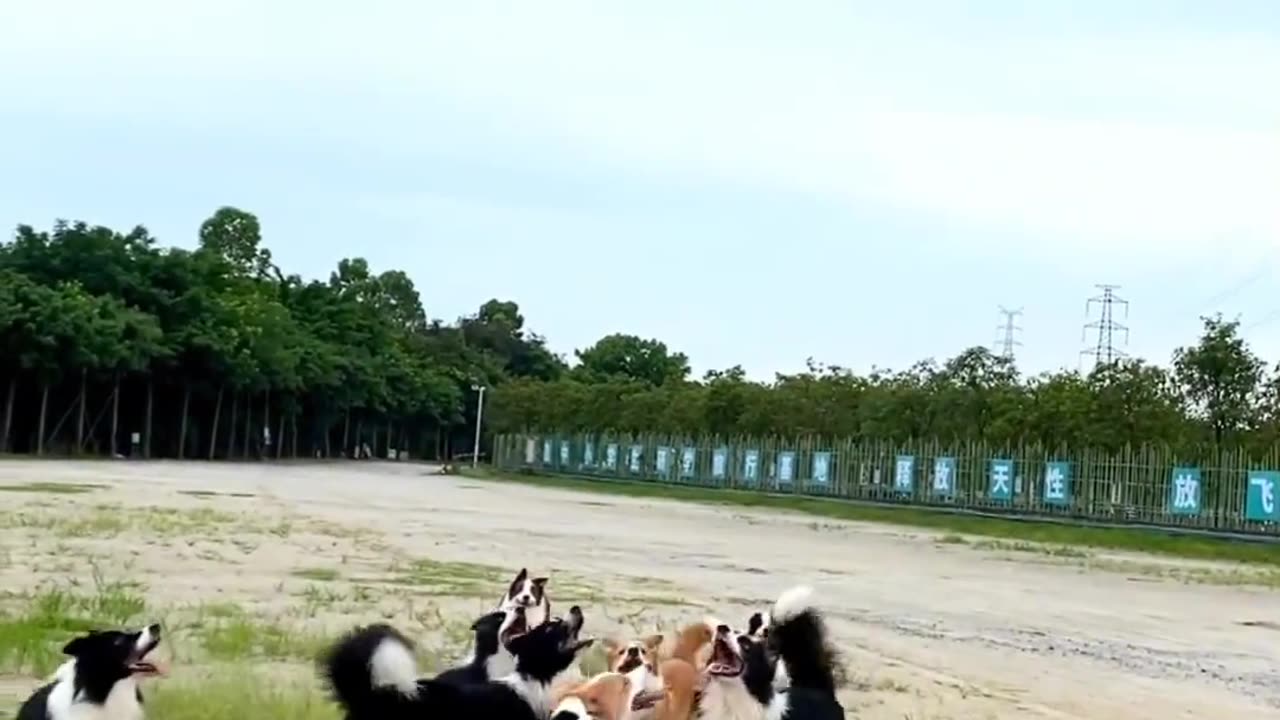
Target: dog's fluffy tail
[(798, 634), (371, 671)]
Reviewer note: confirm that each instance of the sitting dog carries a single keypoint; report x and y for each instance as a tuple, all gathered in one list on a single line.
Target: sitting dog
[(100, 681)]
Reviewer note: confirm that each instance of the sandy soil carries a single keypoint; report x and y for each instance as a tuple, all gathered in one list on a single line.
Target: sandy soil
[(932, 628)]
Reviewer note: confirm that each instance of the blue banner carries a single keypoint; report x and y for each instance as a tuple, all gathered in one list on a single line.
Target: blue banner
[(1260, 496), (821, 469), (720, 463), (786, 470), (944, 476), (1184, 491), (904, 473), (1000, 481), (751, 467), (687, 459), (1057, 483)]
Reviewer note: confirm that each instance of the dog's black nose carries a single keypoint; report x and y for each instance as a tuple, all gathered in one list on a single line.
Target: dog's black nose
[(633, 652), (723, 629), (154, 630)]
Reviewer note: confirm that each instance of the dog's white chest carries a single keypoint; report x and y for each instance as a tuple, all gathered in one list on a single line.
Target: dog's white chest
[(121, 704), (725, 701)]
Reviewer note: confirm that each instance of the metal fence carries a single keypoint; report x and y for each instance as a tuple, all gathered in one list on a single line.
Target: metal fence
[(1141, 486)]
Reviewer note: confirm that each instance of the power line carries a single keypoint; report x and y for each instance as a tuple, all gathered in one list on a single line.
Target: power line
[(1007, 342), (1104, 351)]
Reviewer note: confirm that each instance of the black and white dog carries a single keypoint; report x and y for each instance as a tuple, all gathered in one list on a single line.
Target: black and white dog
[(740, 674), (100, 681), (758, 630), (530, 594), (492, 657), (373, 676)]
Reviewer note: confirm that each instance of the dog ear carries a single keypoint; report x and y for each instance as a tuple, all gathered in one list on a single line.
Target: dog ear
[(610, 645), (540, 582), (581, 645), (77, 645), (520, 576), (652, 642)]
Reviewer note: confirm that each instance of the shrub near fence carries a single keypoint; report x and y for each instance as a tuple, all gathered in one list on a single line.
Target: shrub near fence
[(1141, 486)]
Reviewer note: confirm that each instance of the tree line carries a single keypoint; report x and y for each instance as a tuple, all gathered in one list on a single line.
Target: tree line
[(1216, 394), (113, 344)]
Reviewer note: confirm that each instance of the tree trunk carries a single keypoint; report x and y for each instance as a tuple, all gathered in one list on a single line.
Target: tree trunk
[(373, 449), (266, 424), (248, 424), (328, 446), (84, 382), (182, 427), (146, 442), (359, 435), (115, 416), (8, 413), (231, 426), (293, 423), (44, 413), (213, 432), (346, 425), (279, 438)]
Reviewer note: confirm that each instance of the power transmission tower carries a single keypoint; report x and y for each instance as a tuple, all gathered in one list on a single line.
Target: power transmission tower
[(1104, 351), (1007, 342)]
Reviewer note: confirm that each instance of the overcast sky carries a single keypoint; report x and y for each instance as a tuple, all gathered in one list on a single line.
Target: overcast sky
[(751, 182)]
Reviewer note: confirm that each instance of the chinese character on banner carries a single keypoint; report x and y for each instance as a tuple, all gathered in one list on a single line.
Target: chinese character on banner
[(564, 453), (1001, 481), (588, 454), (751, 466), (1260, 500), (821, 468), (786, 467), (663, 461), (1184, 491), (944, 476), (1057, 483), (686, 462), (635, 461), (720, 463), (611, 456), (546, 452), (903, 468)]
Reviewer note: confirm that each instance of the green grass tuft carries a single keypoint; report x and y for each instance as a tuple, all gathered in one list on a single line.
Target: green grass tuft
[(52, 488), (232, 695), (31, 638)]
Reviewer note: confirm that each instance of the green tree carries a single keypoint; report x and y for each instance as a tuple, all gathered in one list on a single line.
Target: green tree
[(630, 357), (1219, 378)]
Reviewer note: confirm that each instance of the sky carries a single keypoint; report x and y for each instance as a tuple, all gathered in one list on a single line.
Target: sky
[(753, 183)]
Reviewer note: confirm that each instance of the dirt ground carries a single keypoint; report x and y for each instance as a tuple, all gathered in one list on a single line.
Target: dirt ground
[(932, 626)]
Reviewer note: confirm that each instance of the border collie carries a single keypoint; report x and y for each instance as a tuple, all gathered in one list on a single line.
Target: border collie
[(740, 675), (373, 676), (530, 594), (491, 659), (100, 681), (758, 630)]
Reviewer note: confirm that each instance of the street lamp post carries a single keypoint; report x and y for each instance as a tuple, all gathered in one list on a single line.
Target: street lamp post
[(475, 449)]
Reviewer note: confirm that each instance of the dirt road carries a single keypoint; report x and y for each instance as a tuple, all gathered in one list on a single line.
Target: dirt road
[(932, 627)]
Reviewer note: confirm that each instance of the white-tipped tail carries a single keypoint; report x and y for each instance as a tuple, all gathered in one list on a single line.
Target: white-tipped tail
[(792, 603), (392, 665)]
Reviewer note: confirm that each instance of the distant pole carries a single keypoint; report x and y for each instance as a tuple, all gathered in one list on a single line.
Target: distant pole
[(475, 449), (1104, 351), (1007, 331)]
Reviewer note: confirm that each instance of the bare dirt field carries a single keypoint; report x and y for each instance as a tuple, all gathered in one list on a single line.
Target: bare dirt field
[(261, 564)]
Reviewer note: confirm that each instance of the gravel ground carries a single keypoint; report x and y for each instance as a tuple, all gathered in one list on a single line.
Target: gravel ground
[(931, 627)]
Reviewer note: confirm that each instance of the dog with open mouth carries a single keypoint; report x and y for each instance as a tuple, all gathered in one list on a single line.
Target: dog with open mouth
[(492, 657), (372, 674), (740, 675), (101, 680)]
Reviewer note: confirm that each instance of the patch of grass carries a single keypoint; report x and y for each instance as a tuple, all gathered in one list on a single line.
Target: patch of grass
[(241, 637), (32, 636), (113, 520), (232, 694), (458, 579), (318, 574), (1061, 551), (1127, 539), (53, 488)]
